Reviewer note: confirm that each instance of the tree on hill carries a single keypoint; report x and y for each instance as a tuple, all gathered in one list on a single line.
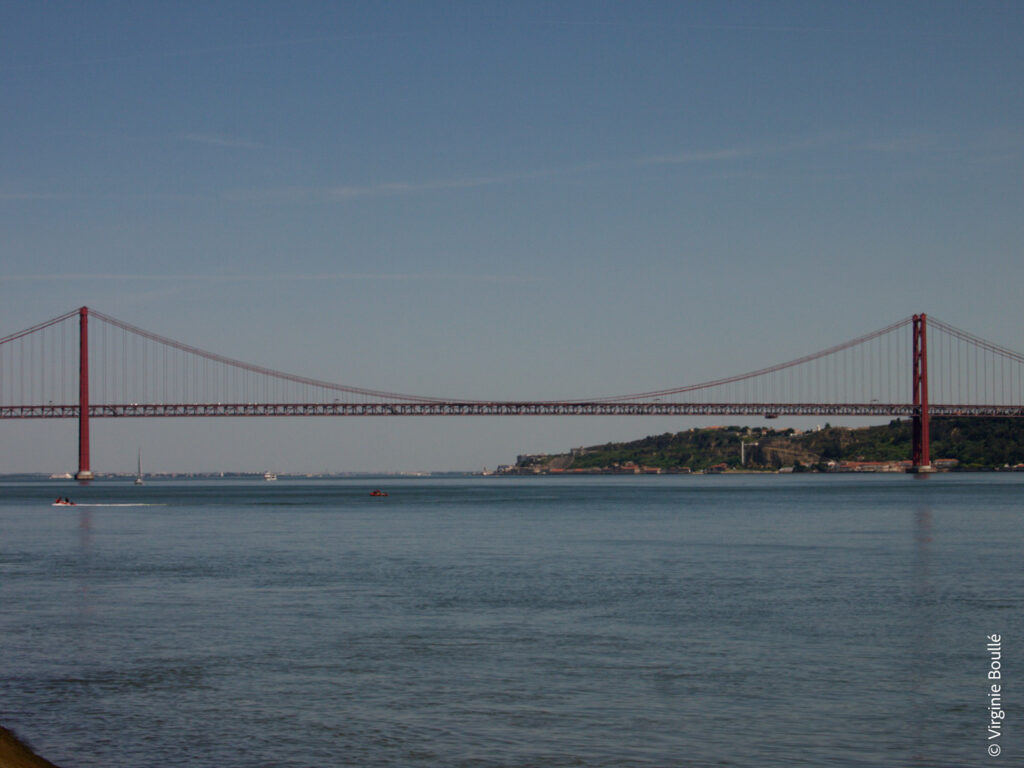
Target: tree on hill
[(974, 443)]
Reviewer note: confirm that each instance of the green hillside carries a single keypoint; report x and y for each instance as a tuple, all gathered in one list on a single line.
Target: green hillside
[(973, 443)]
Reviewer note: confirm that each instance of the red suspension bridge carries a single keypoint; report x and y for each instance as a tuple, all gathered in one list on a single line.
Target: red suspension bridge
[(67, 368)]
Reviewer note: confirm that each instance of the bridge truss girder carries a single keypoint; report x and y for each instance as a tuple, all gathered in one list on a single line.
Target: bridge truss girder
[(501, 408)]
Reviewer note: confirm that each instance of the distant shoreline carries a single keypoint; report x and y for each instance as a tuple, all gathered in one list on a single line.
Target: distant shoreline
[(124, 476), (37, 477)]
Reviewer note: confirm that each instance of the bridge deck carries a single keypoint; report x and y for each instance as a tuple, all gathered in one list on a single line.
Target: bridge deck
[(501, 408)]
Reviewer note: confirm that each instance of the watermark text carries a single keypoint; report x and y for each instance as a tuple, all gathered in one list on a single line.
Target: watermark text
[(996, 714)]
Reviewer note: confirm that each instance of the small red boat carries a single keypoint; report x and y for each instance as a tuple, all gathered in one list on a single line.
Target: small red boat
[(377, 492)]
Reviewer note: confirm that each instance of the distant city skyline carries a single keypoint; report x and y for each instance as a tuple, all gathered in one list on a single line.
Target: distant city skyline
[(497, 200)]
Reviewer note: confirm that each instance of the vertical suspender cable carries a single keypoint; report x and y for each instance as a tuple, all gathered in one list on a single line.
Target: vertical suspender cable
[(123, 394)]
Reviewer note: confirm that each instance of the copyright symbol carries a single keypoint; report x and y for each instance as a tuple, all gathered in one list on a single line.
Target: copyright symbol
[(994, 749)]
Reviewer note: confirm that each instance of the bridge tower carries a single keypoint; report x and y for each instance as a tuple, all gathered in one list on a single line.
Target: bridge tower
[(84, 473), (921, 459)]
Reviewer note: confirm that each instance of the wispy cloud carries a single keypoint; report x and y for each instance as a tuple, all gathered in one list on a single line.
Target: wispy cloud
[(728, 160), (346, 192), (903, 145), (768, 29), (286, 277), (351, 192), (407, 187), (188, 53), (217, 140), (683, 158), (16, 196)]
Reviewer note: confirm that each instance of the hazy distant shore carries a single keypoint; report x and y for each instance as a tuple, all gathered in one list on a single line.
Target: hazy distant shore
[(37, 476)]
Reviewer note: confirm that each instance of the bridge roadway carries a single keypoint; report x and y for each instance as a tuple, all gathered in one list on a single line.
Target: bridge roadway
[(501, 408)]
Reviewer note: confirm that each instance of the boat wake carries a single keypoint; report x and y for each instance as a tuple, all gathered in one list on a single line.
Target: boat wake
[(77, 504)]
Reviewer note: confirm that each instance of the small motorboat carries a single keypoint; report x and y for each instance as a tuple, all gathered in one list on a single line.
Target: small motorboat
[(378, 492), (64, 503)]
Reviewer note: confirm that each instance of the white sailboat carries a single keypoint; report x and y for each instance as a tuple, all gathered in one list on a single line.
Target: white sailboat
[(138, 475)]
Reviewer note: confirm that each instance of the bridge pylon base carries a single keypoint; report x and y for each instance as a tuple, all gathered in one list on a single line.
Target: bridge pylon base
[(85, 475), (924, 469)]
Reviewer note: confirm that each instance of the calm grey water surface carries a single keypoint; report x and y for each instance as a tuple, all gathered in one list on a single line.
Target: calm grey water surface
[(654, 621)]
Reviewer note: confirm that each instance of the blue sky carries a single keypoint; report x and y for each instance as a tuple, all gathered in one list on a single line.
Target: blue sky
[(499, 200)]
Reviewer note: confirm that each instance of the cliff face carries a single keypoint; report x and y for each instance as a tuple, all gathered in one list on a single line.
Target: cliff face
[(777, 454)]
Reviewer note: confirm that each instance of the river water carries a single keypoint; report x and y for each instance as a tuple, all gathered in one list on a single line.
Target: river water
[(649, 621)]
